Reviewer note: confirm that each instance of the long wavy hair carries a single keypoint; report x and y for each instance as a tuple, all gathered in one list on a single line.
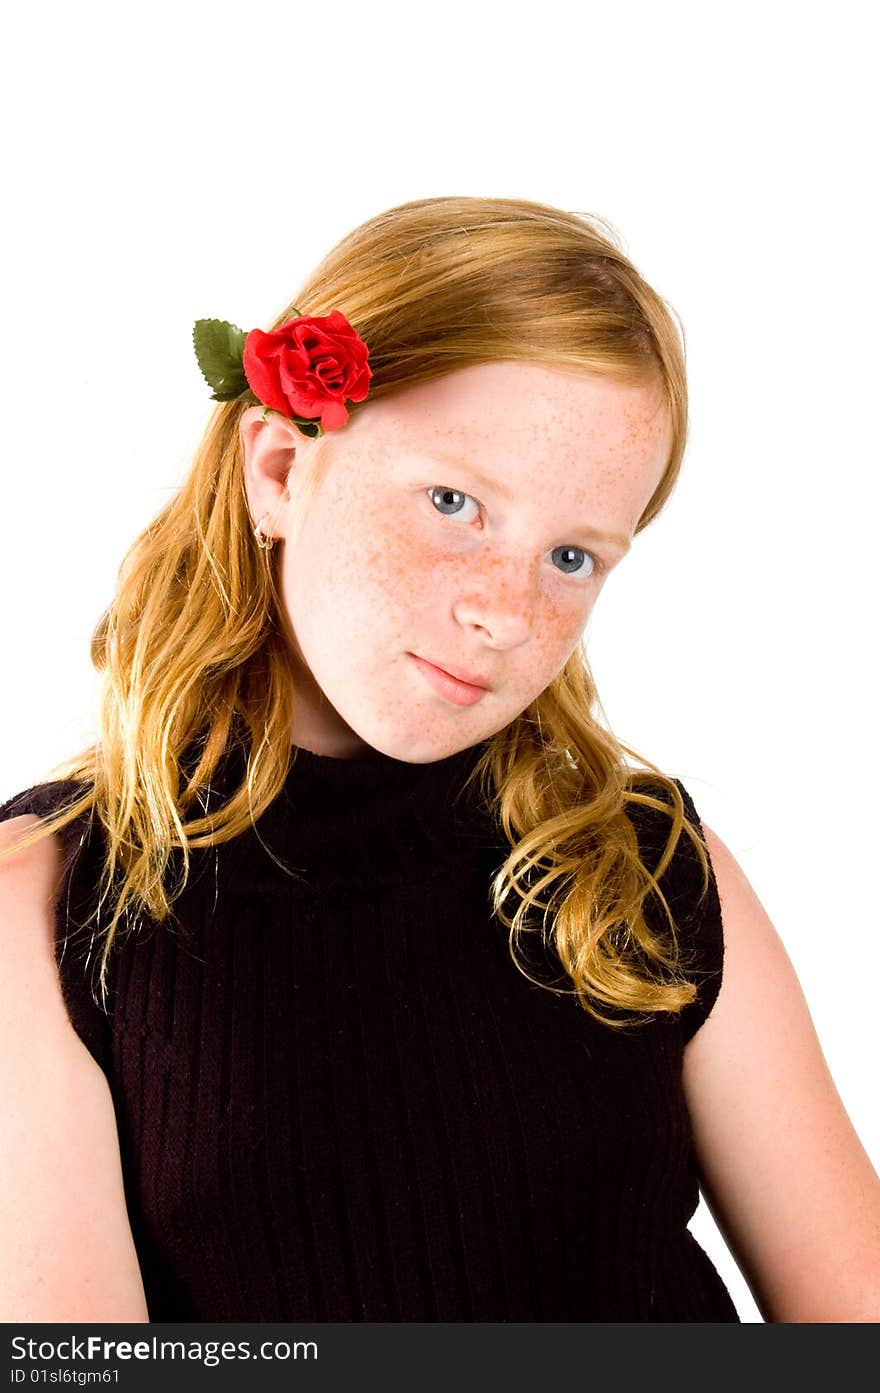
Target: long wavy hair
[(194, 653)]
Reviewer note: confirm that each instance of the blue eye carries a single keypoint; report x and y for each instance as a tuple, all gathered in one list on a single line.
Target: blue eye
[(450, 503), (572, 555), (445, 498)]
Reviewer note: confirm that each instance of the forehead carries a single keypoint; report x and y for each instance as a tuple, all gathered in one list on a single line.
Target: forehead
[(523, 409), (598, 446)]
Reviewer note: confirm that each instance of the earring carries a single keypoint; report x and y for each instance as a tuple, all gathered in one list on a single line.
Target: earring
[(263, 542)]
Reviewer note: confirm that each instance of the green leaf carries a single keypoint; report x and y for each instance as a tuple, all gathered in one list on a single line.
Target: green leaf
[(219, 346), (309, 428)]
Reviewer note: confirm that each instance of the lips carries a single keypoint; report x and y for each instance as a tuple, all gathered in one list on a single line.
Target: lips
[(443, 682), (472, 678)]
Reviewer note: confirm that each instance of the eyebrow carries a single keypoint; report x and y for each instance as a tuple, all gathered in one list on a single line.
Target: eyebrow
[(498, 486)]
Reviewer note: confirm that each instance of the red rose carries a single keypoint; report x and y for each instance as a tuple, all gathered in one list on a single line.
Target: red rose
[(308, 368)]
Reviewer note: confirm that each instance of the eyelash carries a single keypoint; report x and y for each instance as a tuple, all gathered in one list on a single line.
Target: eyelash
[(598, 563)]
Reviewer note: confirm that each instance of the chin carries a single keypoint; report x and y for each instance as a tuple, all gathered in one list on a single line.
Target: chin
[(418, 748), (423, 747), (421, 751)]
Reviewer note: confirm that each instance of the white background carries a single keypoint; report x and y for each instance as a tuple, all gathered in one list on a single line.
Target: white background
[(197, 160)]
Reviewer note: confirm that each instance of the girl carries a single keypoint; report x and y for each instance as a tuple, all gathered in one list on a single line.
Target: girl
[(367, 976)]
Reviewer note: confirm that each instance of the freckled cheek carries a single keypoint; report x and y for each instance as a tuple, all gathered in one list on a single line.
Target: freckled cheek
[(559, 625), (401, 566), (336, 553)]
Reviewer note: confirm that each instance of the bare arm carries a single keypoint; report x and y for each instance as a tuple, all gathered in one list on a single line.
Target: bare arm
[(68, 1253), (783, 1171)]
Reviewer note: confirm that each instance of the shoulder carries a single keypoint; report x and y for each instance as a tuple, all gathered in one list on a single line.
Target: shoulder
[(760, 999), (41, 862), (782, 1168), (44, 800), (22, 813), (30, 881), (49, 892), (71, 1261), (756, 964)]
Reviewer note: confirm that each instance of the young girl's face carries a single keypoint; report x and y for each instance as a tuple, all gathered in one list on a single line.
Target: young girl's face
[(467, 524)]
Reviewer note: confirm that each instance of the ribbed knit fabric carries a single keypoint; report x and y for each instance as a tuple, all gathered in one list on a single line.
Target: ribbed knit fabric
[(339, 1100)]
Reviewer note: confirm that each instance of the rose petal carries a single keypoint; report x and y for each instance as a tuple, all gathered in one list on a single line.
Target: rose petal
[(309, 366), (261, 376), (333, 415)]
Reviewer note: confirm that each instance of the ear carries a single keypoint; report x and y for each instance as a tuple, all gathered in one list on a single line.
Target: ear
[(272, 447)]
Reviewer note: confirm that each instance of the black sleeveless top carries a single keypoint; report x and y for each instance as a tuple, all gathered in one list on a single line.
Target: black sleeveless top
[(338, 1099)]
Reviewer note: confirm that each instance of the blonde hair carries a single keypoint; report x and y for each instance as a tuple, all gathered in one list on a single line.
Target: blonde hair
[(193, 651)]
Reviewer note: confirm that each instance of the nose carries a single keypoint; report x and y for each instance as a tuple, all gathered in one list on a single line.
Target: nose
[(500, 597)]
